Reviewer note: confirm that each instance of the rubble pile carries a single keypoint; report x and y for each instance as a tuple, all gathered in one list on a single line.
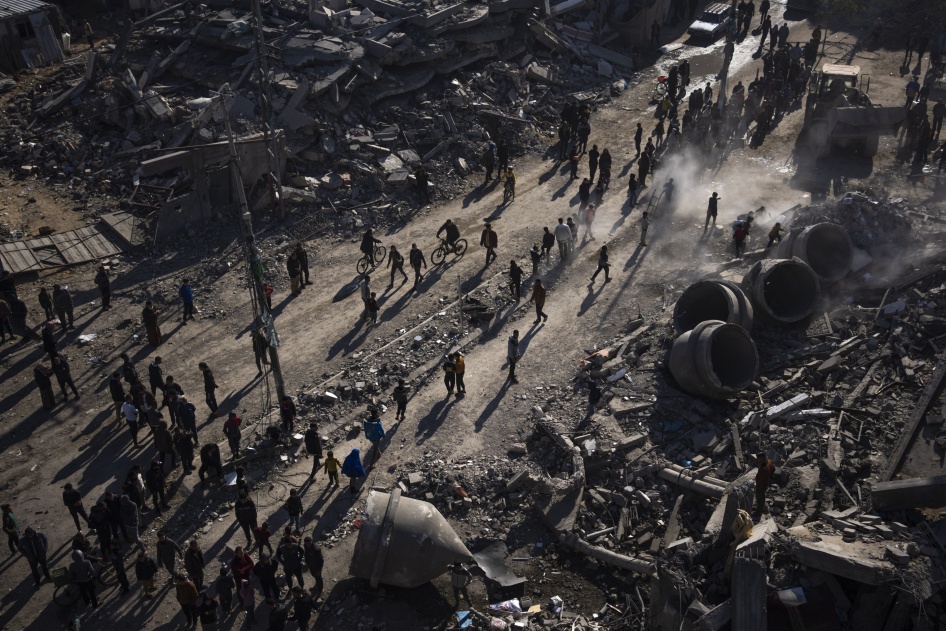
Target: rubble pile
[(360, 94)]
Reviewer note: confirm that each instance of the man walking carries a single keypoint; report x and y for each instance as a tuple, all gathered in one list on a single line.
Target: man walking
[(365, 287), (638, 136), (35, 548), (156, 376), (396, 263), (536, 257), (602, 265), (313, 446), (168, 552), (515, 279), (82, 573), (712, 209), (105, 287), (64, 376), (293, 269), (645, 223), (512, 355), (245, 511), (73, 501), (210, 385), (563, 236), (303, 257), (538, 297), (490, 241), (417, 261), (593, 156), (187, 298), (62, 300), (548, 240)]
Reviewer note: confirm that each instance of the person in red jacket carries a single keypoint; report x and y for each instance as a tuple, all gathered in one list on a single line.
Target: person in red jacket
[(241, 565), (763, 478)]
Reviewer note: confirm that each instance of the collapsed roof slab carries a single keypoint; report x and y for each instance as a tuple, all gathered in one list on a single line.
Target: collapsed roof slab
[(859, 561)]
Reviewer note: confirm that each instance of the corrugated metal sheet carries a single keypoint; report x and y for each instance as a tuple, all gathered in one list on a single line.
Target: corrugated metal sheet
[(13, 8), (56, 250)]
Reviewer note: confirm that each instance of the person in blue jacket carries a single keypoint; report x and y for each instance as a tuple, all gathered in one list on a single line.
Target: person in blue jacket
[(187, 297), (353, 468), (374, 432)]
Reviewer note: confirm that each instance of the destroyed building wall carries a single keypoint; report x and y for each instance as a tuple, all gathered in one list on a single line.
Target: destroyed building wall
[(30, 35)]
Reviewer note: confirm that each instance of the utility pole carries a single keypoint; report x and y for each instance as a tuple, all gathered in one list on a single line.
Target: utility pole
[(266, 113), (251, 253)]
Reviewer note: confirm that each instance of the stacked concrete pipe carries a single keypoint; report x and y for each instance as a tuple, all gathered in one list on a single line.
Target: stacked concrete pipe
[(783, 291), (715, 359), (825, 247), (712, 300)]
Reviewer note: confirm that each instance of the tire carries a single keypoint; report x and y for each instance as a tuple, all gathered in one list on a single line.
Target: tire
[(67, 595), (437, 256), (661, 88), (362, 265), (106, 576), (379, 253), (870, 146), (460, 247)]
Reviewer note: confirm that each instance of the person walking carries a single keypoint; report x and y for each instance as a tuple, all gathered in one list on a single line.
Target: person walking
[(417, 261), (117, 391), (303, 257), (538, 297), (105, 287), (290, 554), (194, 563), (489, 161), (588, 220), (46, 302), (374, 432), (313, 446), (42, 374), (168, 552), (602, 265), (248, 601), (449, 373), (187, 594), (460, 370), (130, 520), (593, 156), (712, 209), (490, 241), (502, 156), (72, 500), (50, 346), (287, 414), (536, 257), (265, 571), (604, 165), (187, 417), (353, 468), (763, 477), (302, 607), (563, 236), (584, 194), (10, 528), (315, 562), (515, 279), (295, 509), (645, 223), (156, 376), (114, 556), (145, 570), (574, 159), (460, 579), (739, 238), (332, 466), (210, 385), (64, 376), (184, 446), (400, 398), (422, 182), (396, 263), (155, 481), (231, 429), (245, 513), (638, 136), (775, 235), (35, 547), (548, 240), (365, 288), (512, 355), (373, 308), (164, 443), (224, 586), (669, 187), (293, 269), (655, 34), (82, 573), (62, 300), (584, 131), (187, 299)]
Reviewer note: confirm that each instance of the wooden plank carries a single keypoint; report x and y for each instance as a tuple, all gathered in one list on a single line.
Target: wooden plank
[(930, 393), (737, 446)]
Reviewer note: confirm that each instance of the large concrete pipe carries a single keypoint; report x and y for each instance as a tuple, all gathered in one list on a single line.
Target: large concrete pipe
[(712, 300), (826, 247), (783, 290), (714, 360), (404, 542)]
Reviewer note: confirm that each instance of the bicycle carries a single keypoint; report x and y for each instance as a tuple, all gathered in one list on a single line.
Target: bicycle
[(509, 191), (458, 249), (660, 89), (67, 593), (364, 263)]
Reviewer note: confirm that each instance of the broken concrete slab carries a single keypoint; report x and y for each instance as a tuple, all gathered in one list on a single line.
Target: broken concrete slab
[(859, 561), (927, 492), (749, 597), (560, 510)]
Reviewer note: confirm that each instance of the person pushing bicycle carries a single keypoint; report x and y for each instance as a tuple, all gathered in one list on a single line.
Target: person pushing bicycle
[(453, 233), (509, 190), (368, 244)]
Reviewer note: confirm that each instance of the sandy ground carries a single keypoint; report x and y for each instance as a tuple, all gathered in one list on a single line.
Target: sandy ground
[(79, 442)]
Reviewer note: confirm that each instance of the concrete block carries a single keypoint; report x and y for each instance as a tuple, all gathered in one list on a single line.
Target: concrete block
[(604, 68), (630, 442), (912, 493), (898, 556)]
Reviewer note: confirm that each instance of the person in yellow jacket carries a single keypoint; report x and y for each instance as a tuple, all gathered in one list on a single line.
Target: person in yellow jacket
[(509, 178), (459, 369), (332, 465)]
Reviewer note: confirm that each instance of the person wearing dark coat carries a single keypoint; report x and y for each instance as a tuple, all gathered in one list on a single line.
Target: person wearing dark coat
[(149, 315), (303, 257), (34, 546), (184, 446), (167, 552), (314, 561), (210, 462), (42, 374), (245, 512), (290, 554), (187, 417), (164, 443), (225, 586), (114, 556), (265, 571), (64, 376), (194, 563), (294, 269), (155, 482), (145, 571), (46, 302), (50, 347), (156, 376), (105, 287), (62, 301), (99, 521), (117, 391), (210, 385), (82, 573), (287, 412), (72, 500), (313, 446)]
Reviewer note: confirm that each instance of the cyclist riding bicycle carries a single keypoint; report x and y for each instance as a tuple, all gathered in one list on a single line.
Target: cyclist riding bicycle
[(510, 183), (367, 245), (453, 233)]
